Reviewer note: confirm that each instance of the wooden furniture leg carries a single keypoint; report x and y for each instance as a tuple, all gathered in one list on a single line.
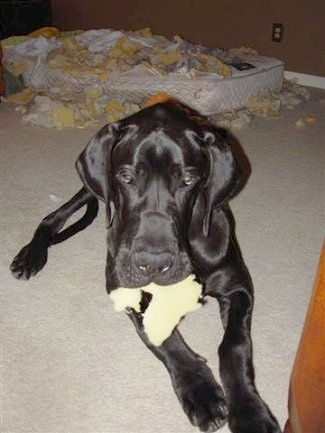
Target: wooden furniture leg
[(307, 384)]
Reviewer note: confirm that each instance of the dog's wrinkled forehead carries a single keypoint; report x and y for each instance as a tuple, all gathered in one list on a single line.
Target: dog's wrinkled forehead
[(157, 148), (157, 135)]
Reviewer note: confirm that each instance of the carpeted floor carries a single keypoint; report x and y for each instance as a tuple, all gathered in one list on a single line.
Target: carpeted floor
[(70, 364)]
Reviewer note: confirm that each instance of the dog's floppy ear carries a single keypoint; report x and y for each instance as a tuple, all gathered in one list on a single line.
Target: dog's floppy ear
[(93, 165), (224, 173)]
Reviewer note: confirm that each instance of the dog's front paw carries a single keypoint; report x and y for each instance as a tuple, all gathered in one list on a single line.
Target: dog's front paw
[(202, 399), (29, 261), (252, 416)]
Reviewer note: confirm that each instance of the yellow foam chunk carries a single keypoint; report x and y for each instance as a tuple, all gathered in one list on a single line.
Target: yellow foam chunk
[(47, 32), (306, 120), (166, 308), (62, 116), (169, 58), (93, 93), (126, 298), (23, 97)]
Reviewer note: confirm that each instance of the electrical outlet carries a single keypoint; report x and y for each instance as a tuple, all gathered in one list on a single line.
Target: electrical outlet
[(277, 32)]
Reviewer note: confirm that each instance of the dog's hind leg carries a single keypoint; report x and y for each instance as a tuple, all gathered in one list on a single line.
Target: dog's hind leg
[(32, 257)]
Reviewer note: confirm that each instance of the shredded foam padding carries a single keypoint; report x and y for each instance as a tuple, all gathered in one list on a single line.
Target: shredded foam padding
[(306, 120), (80, 76), (166, 308)]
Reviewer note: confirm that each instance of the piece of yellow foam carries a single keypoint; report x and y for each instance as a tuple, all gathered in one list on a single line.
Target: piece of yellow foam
[(62, 116), (166, 308), (47, 32), (126, 298), (306, 120), (24, 97), (114, 111)]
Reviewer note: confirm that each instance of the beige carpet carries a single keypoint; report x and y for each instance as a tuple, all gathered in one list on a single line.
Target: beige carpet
[(70, 364)]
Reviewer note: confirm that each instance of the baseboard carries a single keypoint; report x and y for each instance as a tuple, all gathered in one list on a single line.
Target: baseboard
[(306, 79)]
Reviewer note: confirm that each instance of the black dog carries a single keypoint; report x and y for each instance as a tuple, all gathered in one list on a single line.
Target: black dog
[(165, 176)]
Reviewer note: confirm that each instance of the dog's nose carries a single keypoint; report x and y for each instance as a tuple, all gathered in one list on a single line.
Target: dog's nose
[(153, 263)]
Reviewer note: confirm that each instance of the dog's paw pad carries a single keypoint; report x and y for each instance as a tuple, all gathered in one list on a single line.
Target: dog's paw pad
[(253, 416), (204, 403), (207, 409)]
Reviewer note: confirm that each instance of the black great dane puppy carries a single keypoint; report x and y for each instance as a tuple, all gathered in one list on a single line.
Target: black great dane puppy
[(165, 175)]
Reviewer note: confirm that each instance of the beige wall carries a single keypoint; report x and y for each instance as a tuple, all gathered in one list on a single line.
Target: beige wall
[(214, 23)]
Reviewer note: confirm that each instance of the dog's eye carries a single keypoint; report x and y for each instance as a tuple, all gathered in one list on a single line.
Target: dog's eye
[(189, 177), (125, 177)]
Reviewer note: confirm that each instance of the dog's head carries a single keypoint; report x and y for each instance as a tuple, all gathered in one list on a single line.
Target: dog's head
[(152, 169)]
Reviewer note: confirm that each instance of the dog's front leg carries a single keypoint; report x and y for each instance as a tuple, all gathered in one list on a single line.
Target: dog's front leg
[(33, 256), (200, 395), (247, 411)]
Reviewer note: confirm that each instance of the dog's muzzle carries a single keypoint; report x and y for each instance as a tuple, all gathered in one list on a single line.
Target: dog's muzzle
[(154, 254), (154, 247)]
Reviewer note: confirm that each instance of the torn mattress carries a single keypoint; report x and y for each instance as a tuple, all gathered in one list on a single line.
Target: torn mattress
[(83, 74)]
